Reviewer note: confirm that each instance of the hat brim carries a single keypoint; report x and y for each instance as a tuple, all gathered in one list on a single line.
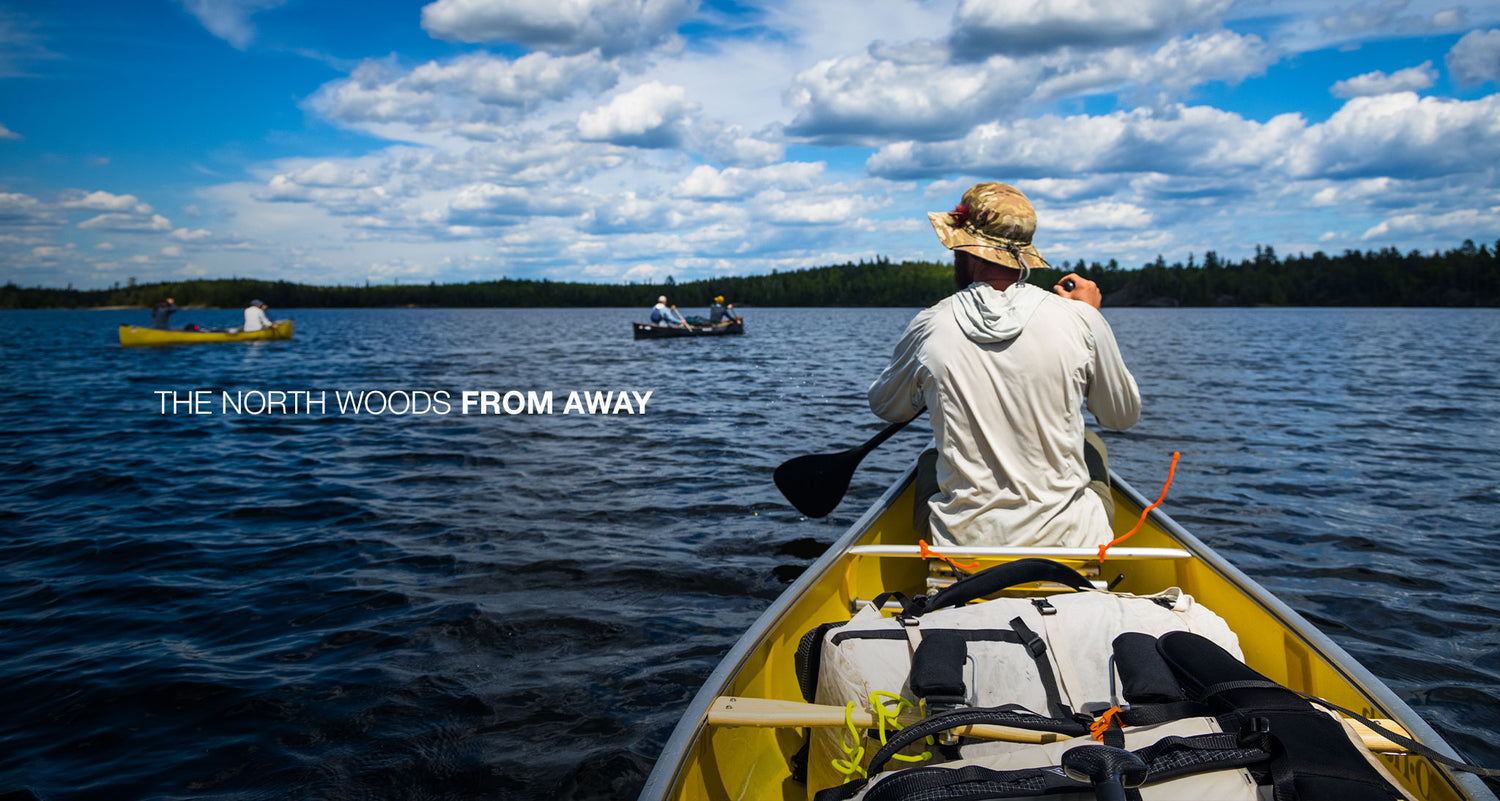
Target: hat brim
[(955, 237)]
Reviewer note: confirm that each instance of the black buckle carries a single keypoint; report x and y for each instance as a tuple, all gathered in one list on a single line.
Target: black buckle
[(1253, 733), (1044, 606), (1035, 646)]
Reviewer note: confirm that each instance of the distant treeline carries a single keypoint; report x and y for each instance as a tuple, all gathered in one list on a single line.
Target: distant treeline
[(1465, 276)]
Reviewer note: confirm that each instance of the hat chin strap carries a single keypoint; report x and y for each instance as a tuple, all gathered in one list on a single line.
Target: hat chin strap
[(1020, 258)]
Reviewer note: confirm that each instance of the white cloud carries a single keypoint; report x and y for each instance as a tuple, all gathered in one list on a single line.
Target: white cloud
[(1400, 135), (1061, 189), (1475, 58), (707, 183), (105, 246), (567, 26), (127, 222), (650, 115), (1410, 79), (1183, 63), (374, 93), (477, 97), (103, 201), (356, 198), (6, 133), (867, 97), (919, 92), (1452, 224), (171, 251), (24, 211), (628, 212), (1103, 215), (488, 204), (229, 19), (813, 211), (981, 27), (1174, 140), (1378, 16), (731, 146), (522, 82), (22, 46), (327, 174), (195, 235)]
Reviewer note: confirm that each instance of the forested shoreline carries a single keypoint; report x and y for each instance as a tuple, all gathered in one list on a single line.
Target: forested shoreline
[(1468, 275)]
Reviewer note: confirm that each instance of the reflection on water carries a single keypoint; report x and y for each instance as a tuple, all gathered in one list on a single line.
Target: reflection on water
[(467, 606)]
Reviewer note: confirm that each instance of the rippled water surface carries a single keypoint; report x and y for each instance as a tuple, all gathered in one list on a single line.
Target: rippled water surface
[(463, 606)]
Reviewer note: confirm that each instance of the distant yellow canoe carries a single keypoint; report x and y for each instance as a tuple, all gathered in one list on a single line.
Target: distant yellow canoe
[(131, 335)]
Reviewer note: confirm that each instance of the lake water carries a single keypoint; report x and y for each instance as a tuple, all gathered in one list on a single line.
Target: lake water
[(325, 605)]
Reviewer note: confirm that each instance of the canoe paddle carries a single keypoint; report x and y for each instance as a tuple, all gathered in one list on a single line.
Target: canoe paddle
[(817, 482), (771, 713)]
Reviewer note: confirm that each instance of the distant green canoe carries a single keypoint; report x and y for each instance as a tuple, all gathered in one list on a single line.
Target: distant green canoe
[(135, 336), (650, 331)]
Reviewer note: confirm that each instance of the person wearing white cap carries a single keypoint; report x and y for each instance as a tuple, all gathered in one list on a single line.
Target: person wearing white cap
[(255, 316), (662, 314), (1005, 368)]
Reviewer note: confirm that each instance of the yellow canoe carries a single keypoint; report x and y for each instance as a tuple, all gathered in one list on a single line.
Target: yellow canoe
[(703, 761), (132, 336)]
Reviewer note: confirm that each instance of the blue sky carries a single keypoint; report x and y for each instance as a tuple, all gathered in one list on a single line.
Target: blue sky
[(629, 140)]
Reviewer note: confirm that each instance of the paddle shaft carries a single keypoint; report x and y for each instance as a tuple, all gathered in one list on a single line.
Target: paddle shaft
[(771, 713), (768, 713), (885, 434)]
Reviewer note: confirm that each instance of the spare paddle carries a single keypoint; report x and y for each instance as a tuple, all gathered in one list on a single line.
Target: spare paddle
[(817, 482), (771, 713)]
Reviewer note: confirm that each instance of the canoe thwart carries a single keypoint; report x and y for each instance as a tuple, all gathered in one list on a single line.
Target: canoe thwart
[(1019, 552)]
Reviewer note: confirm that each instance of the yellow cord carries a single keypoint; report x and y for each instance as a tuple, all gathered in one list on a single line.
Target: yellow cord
[(851, 741), (855, 751), (885, 715)]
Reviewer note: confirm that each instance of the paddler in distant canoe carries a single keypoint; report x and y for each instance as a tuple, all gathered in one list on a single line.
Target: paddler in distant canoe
[(255, 316), (662, 314), (1004, 367), (720, 311), (161, 314)]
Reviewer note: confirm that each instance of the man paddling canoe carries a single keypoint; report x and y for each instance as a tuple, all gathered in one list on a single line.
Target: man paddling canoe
[(662, 314), (1005, 366)]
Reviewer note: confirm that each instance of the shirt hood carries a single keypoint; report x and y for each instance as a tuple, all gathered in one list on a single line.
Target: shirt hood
[(988, 315)]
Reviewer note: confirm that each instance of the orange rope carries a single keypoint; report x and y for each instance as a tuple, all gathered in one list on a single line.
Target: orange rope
[(928, 554), (1110, 717), (1171, 471)]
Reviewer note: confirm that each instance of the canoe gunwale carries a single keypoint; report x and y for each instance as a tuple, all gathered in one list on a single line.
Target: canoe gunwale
[(1334, 654), (692, 725)]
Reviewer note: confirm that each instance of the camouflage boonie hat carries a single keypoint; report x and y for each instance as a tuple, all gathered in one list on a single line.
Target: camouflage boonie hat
[(994, 221)]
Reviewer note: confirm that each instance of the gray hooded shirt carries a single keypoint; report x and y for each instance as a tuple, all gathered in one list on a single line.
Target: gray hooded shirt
[(1006, 375)]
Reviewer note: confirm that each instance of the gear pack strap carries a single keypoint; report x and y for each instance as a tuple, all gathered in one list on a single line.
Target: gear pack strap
[(1169, 758), (995, 579), (1399, 739)]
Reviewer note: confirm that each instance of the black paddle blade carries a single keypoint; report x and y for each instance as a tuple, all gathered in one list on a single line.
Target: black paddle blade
[(816, 483)]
